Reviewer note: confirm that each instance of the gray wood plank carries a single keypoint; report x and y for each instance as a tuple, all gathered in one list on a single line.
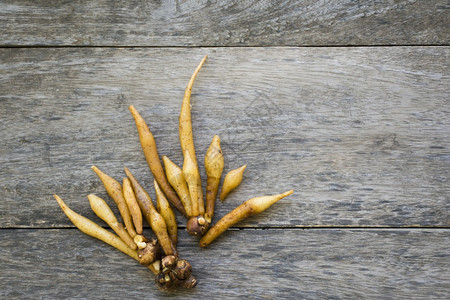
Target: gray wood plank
[(224, 23), (257, 264), (361, 134)]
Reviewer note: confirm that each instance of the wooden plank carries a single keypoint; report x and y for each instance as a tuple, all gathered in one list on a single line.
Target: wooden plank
[(224, 23), (361, 134), (259, 264)]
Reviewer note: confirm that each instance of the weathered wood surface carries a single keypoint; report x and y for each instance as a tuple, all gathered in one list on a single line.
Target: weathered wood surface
[(256, 264), (361, 134), (224, 23)]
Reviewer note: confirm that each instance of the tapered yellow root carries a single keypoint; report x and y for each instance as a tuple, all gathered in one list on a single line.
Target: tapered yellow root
[(133, 206), (231, 181), (185, 125), (115, 191), (192, 177), (94, 230), (104, 212), (187, 146), (155, 220), (248, 208), (164, 209), (214, 163), (176, 179), (151, 155)]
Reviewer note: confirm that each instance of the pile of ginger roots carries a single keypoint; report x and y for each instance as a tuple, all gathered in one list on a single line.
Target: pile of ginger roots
[(175, 187)]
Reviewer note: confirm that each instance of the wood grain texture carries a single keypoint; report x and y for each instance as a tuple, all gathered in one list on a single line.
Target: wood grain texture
[(360, 134), (276, 264), (224, 23)]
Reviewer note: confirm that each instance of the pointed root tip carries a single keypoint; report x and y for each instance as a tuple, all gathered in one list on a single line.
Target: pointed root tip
[(60, 201), (97, 171), (201, 63), (216, 138), (156, 185), (290, 192), (127, 171)]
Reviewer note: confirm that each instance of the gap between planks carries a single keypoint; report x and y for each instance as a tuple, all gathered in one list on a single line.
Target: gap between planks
[(209, 46)]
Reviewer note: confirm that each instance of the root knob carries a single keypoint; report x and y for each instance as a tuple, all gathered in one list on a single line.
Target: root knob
[(183, 269), (149, 254), (197, 226), (168, 261)]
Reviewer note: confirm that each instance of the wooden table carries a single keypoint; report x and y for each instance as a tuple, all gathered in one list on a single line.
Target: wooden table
[(346, 102)]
